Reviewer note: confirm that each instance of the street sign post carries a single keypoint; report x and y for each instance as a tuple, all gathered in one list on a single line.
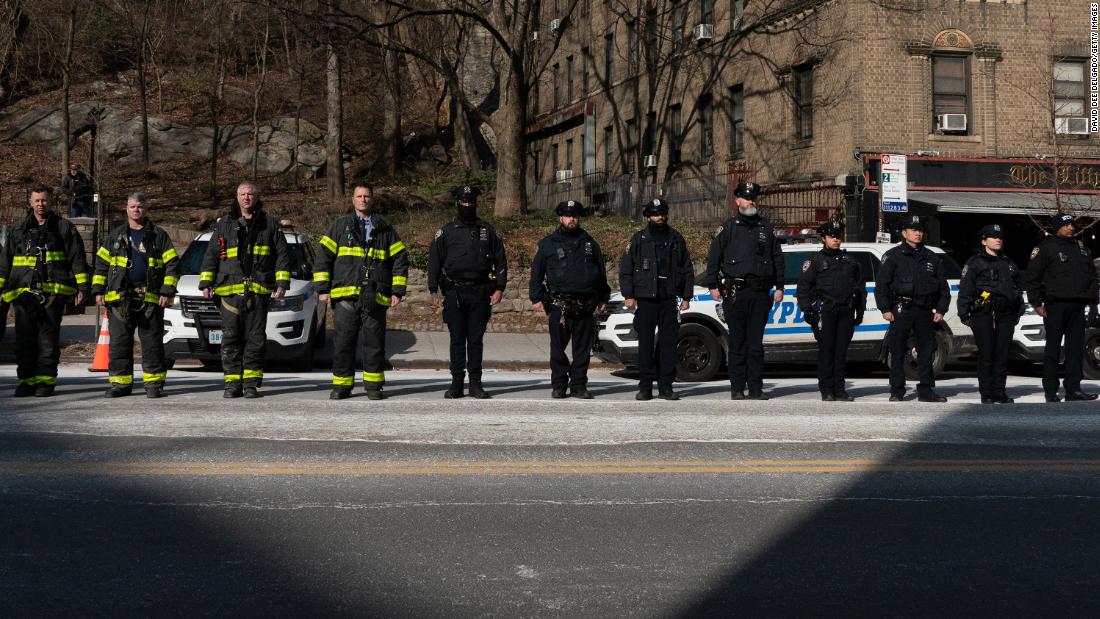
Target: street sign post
[(893, 184)]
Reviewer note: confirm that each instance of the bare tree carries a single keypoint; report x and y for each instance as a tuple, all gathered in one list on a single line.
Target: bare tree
[(261, 69), (334, 138), (13, 23), (66, 84)]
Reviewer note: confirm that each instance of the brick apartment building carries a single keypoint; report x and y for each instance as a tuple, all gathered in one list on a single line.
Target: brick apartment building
[(991, 101)]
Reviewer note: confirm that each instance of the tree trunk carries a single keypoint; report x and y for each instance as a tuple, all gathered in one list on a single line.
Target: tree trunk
[(256, 105), (465, 140), (14, 25), (334, 138), (391, 131), (66, 86), (511, 198), (142, 91)]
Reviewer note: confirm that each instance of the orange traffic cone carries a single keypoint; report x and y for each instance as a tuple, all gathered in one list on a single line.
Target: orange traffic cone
[(102, 347)]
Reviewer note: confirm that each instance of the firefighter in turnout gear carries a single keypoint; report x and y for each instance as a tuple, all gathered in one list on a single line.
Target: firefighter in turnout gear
[(990, 303), (466, 262), (569, 283), (745, 271), (1061, 283), (654, 271), (42, 267), (362, 268), (136, 272), (246, 264), (912, 293), (832, 296)]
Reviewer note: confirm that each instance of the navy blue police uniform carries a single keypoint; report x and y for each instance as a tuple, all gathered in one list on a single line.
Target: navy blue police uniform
[(569, 278), (745, 263), (1061, 278), (466, 262), (990, 303), (832, 296), (912, 286), (654, 271)]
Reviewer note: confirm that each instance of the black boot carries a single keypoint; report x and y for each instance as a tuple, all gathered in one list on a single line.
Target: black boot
[(477, 390), (455, 391), (374, 394), (23, 390), (645, 392), (843, 396), (581, 393), (118, 391), (154, 390), (340, 392), (43, 391), (1079, 396), (558, 393), (232, 390), (251, 392), (827, 397)]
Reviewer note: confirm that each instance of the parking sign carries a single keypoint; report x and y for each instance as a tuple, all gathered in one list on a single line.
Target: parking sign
[(893, 182)]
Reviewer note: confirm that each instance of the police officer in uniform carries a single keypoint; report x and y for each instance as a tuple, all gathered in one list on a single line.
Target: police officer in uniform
[(990, 303), (136, 272), (246, 264), (832, 297), (744, 265), (466, 262), (912, 293), (363, 268), (654, 271), (569, 283), (1061, 282), (42, 268)]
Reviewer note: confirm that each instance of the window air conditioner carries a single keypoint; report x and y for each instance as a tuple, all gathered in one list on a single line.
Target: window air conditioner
[(1072, 126), (555, 25), (650, 161), (563, 176), (703, 32), (952, 122)]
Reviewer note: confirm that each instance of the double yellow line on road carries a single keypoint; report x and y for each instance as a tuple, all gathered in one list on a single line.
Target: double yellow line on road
[(546, 467)]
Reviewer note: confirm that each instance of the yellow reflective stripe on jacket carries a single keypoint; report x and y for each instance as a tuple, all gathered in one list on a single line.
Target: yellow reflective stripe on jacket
[(10, 295), (396, 248), (119, 261), (328, 243), (381, 299), (322, 276), (24, 261), (343, 381), (112, 295), (206, 276), (351, 251), (152, 297), (374, 377), (380, 254), (103, 253), (44, 380), (3, 281), (231, 252), (58, 288), (120, 380), (225, 291), (155, 262), (169, 254), (253, 374), (261, 250), (55, 256), (230, 378), (170, 281), (153, 377), (282, 275), (399, 280), (99, 280), (344, 291), (81, 278)]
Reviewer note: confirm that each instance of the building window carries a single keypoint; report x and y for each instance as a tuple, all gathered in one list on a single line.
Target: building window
[(706, 128), (804, 102), (536, 172), (737, 120), (950, 87), (536, 15), (569, 78), (584, 71), (649, 138), (569, 154), (584, 157), (706, 11), (679, 26), (554, 157), (1069, 89), (608, 147), (675, 135), (554, 71), (609, 59)]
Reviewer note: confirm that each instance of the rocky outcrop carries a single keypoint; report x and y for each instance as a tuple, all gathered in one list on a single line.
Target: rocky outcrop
[(118, 137)]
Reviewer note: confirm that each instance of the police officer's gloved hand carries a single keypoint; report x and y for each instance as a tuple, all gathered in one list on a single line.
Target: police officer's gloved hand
[(859, 316), (811, 317), (1092, 317)]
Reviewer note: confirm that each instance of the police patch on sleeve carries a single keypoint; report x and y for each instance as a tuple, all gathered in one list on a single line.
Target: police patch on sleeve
[(805, 266), (718, 231), (966, 267), (439, 233), (1034, 253)]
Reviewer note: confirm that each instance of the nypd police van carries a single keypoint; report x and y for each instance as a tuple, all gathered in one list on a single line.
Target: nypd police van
[(702, 345)]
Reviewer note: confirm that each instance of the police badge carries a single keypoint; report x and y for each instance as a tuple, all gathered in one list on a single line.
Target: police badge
[(806, 266), (1034, 253)]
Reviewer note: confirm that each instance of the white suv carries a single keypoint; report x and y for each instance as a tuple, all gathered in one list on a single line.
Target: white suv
[(295, 323), (702, 346)]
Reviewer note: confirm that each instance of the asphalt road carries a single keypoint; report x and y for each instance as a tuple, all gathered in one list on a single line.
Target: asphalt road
[(294, 505)]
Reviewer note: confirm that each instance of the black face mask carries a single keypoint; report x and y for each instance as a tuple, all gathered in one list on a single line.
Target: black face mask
[(467, 214), (658, 227)]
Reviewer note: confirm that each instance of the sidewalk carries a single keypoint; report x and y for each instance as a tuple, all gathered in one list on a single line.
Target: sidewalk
[(404, 348)]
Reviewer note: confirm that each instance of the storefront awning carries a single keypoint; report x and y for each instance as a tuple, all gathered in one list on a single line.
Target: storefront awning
[(1006, 202)]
